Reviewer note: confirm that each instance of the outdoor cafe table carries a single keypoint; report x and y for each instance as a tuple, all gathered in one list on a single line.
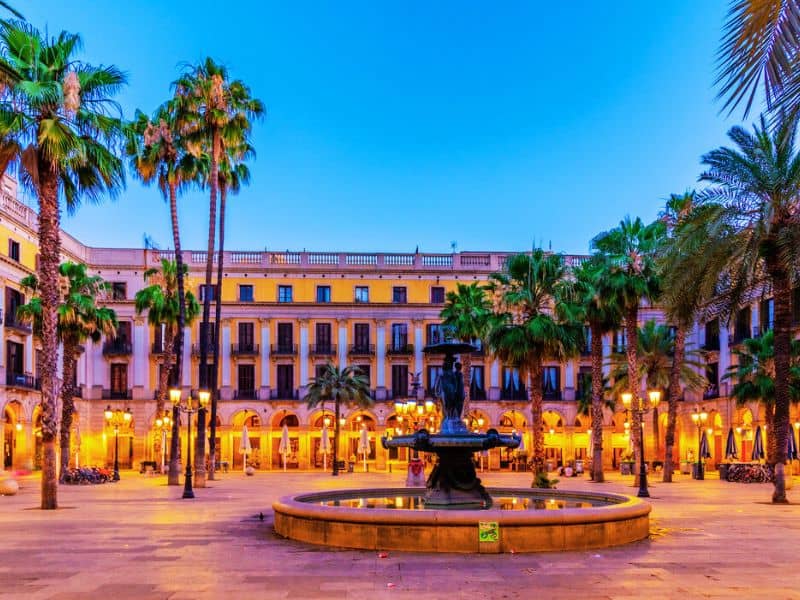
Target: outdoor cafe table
[(749, 472)]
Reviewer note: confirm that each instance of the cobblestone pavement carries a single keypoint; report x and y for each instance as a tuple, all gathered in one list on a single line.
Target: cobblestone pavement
[(138, 539)]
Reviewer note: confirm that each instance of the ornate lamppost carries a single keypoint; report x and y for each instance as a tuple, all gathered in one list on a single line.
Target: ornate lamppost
[(699, 418), (163, 424), (640, 408), (116, 418), (203, 396)]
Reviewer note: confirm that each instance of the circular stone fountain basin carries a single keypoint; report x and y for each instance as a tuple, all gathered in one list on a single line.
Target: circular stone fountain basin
[(524, 520)]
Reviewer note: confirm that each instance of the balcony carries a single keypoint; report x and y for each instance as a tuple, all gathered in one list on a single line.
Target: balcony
[(284, 394), (280, 349), (400, 349), (361, 350), (323, 350), (196, 349), (477, 394), (740, 334), (117, 394), (512, 394), (711, 344), (245, 395), (244, 349), (20, 380), (117, 348), (551, 394), (11, 321), (712, 392)]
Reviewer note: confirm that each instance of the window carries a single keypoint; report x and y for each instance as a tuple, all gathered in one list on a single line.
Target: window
[(399, 336), (399, 295), (212, 294), (14, 358), (399, 381), (119, 290), (14, 300), (712, 335), (245, 293), (584, 390), (208, 334), (247, 379), (204, 373), (712, 375), (741, 329), (323, 337), (433, 373), (119, 380), (551, 383), (620, 340), (437, 295), (513, 387), (172, 377), (766, 314), (123, 331), (362, 293), (477, 391), (365, 372), (284, 293), (246, 337), (13, 250), (435, 333), (323, 294), (361, 336), (285, 337), (319, 371), (285, 381)]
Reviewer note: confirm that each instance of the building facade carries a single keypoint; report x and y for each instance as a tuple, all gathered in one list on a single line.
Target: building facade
[(284, 316)]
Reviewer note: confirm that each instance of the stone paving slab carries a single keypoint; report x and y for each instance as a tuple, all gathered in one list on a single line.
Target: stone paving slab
[(139, 539)]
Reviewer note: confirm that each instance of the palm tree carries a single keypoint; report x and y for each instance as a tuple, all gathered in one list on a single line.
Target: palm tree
[(760, 50), (231, 177), (601, 311), (346, 386), (530, 327), (158, 155), (467, 313), (58, 126), (215, 113), (632, 277), (160, 300), (748, 217), (79, 319), (681, 298), (754, 380)]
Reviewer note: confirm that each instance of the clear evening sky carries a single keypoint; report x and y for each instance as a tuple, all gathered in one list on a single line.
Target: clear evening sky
[(393, 125)]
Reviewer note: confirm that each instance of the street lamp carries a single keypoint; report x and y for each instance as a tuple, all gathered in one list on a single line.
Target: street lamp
[(699, 418), (640, 408), (163, 424), (116, 418), (203, 396)]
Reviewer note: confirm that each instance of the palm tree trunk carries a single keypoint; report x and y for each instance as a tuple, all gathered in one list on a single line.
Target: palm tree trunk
[(212, 442), (67, 403), (466, 376), (631, 347), (50, 248), (674, 396), (336, 440), (537, 428), (597, 404), (174, 470), (769, 427), (200, 443), (782, 290)]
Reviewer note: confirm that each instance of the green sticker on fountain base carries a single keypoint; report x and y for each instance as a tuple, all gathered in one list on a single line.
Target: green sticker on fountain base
[(488, 531)]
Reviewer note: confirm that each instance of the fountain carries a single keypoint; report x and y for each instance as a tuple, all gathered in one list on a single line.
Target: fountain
[(454, 512)]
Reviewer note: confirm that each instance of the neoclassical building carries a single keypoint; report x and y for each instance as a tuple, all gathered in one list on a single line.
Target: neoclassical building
[(284, 315)]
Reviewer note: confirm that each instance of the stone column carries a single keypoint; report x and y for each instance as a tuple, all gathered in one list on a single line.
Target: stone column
[(380, 363), (100, 369), (568, 386), (724, 359), (303, 323), (186, 369), (140, 358), (225, 358), (755, 323), (29, 354), (264, 385), (419, 366), (342, 323), (494, 380), (606, 354)]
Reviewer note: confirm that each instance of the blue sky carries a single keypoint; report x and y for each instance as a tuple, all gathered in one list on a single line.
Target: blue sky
[(393, 125)]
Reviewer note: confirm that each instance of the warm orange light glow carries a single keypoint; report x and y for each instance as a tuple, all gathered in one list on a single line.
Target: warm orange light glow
[(175, 396), (429, 406), (398, 407), (159, 422), (108, 413), (18, 426), (203, 397), (655, 397), (480, 421), (326, 421)]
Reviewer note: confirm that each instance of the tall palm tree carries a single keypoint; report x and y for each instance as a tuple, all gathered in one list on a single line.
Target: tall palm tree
[(231, 177), (751, 223), (346, 386), (215, 112), (600, 309), (158, 155), (753, 379), (160, 300), (681, 299), (58, 125), (79, 319), (530, 327), (467, 313), (760, 50), (631, 278)]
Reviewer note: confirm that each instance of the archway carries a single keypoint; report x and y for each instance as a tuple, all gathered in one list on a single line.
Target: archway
[(123, 435), (254, 422), (12, 428), (554, 439), (292, 455), (319, 421)]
